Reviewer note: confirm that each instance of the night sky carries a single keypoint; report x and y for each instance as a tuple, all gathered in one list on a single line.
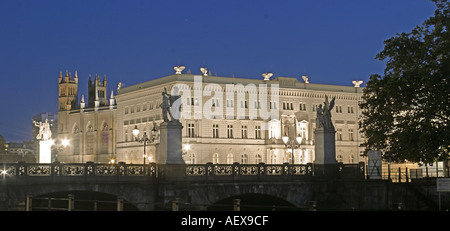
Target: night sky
[(333, 42)]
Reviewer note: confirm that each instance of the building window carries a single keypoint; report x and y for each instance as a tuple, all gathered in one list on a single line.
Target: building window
[(230, 103), (339, 159), (244, 131), (230, 158), (273, 157), (126, 110), (192, 158), (339, 134), (273, 105), (351, 159), (302, 107), (301, 156), (215, 131), (244, 104), (258, 132), (215, 103), (132, 109), (275, 129), (302, 130), (350, 134), (338, 109), (215, 159), (350, 109), (257, 104), (258, 159), (191, 129), (288, 106), (229, 131), (244, 159)]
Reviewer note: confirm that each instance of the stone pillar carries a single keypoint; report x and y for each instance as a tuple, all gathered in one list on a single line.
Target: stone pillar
[(325, 152), (170, 147)]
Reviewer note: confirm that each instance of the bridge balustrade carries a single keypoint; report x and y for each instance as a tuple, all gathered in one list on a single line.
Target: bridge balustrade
[(210, 170), (77, 169), (222, 171)]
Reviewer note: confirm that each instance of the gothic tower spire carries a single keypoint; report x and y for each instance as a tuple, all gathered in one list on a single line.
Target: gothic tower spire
[(68, 92)]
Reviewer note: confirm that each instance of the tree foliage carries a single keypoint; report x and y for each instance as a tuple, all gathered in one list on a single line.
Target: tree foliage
[(405, 112)]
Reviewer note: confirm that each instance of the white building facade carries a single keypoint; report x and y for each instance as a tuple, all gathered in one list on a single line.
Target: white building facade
[(228, 119)]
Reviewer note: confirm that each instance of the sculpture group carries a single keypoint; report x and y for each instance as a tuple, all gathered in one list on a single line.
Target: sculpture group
[(324, 114), (44, 130)]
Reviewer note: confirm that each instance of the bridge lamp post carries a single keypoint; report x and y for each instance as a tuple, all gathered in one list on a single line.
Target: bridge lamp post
[(145, 139), (186, 149), (292, 144)]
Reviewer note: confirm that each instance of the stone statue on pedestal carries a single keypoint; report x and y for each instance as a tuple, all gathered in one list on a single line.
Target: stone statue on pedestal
[(324, 114), (325, 147), (170, 151), (171, 106), (44, 130)]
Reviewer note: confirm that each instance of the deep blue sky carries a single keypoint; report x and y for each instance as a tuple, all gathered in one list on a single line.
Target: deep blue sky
[(333, 42)]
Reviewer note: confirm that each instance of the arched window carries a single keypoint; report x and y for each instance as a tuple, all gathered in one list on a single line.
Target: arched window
[(89, 127), (258, 159), (351, 159), (215, 159), (75, 139), (301, 156), (302, 130), (244, 158), (75, 129), (230, 158), (274, 129), (192, 158), (104, 138), (273, 157), (105, 126)]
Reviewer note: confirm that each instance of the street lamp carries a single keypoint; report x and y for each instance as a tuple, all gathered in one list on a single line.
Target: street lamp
[(65, 142), (57, 146), (144, 140), (186, 148), (292, 144)]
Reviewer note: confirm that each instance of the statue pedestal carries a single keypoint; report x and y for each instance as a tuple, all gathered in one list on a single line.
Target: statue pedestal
[(45, 152), (170, 146), (325, 152)]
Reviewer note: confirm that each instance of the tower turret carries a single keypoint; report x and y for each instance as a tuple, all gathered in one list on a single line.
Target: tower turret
[(68, 92), (97, 92)]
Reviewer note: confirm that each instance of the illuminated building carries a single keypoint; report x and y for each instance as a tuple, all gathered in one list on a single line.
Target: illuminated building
[(225, 140), (89, 128), (101, 129)]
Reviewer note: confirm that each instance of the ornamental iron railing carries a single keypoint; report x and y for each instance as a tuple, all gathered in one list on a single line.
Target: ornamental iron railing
[(121, 169), (237, 169), (77, 169)]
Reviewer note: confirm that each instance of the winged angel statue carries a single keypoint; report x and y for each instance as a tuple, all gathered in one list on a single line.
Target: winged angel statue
[(324, 114)]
